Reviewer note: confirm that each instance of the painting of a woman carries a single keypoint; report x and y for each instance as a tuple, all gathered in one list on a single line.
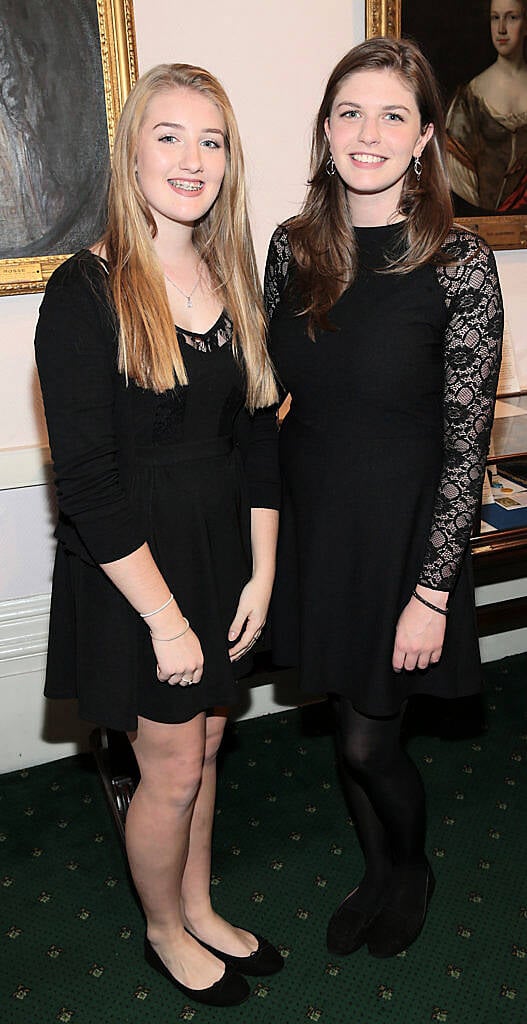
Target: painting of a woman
[(487, 123)]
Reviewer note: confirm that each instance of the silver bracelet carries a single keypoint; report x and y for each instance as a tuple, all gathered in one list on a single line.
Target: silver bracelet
[(148, 615), (168, 639)]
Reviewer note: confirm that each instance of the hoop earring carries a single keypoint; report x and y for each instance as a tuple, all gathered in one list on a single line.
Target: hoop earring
[(330, 166), (418, 168)]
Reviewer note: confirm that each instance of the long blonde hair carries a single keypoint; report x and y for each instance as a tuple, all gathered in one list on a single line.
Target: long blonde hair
[(149, 352), (322, 236)]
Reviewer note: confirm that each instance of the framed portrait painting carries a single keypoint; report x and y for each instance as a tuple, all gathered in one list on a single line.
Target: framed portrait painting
[(487, 146), (66, 69)]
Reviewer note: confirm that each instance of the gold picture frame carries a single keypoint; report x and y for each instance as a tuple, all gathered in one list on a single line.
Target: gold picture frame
[(118, 67), (383, 18), (509, 231)]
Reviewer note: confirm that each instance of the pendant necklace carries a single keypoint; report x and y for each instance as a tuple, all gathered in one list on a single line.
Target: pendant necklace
[(180, 290)]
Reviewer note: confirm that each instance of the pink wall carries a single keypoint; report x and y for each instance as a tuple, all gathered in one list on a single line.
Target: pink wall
[(272, 57)]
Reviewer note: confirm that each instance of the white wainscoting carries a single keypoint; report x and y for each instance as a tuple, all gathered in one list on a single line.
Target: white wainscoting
[(24, 466), (31, 732)]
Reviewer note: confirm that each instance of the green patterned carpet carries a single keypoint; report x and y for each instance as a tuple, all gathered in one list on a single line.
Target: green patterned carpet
[(285, 854)]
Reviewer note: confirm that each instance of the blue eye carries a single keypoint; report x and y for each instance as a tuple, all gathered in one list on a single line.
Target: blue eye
[(350, 114), (392, 116), (211, 144), (168, 138)]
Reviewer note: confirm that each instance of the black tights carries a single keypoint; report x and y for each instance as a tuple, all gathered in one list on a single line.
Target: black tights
[(384, 792)]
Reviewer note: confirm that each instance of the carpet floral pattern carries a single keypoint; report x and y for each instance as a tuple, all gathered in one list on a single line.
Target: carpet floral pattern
[(285, 854)]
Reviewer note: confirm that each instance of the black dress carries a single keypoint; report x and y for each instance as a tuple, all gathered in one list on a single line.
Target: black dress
[(133, 466), (382, 457)]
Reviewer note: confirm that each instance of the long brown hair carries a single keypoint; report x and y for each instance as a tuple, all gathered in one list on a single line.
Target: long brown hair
[(321, 236), (149, 352)]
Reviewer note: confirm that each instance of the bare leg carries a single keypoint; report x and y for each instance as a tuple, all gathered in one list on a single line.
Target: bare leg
[(170, 759), (197, 909)]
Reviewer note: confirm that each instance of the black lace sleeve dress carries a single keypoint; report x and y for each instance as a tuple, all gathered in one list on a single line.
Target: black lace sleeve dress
[(134, 466), (382, 458)]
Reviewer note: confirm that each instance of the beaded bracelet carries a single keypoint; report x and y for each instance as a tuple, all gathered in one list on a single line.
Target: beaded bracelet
[(442, 611), (148, 615), (168, 639)]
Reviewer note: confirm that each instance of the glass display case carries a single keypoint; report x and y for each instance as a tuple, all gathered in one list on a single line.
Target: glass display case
[(499, 549)]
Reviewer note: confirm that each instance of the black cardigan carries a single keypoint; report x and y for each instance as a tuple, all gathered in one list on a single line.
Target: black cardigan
[(88, 418)]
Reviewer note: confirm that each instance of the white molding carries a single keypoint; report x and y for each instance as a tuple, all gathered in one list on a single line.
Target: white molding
[(24, 467), (513, 641), (23, 634), (503, 645), (491, 593)]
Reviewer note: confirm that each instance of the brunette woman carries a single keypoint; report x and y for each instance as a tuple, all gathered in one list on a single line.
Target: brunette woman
[(386, 330), (165, 555)]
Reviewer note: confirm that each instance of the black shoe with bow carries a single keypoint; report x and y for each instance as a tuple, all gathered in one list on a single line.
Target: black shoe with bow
[(264, 960), (230, 990)]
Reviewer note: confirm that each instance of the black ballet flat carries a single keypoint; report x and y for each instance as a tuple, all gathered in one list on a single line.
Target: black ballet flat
[(348, 927), (230, 990), (264, 960), (402, 917)]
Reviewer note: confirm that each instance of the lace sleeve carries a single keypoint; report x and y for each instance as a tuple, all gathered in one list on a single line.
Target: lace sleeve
[(472, 359), (276, 269)]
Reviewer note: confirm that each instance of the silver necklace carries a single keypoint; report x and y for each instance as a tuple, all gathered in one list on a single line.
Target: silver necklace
[(180, 290)]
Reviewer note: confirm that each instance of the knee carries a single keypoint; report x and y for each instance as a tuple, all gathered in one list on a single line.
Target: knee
[(184, 781), (361, 759), (175, 783), (215, 730), (182, 785)]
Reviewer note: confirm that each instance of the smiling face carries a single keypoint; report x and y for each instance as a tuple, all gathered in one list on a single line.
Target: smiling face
[(181, 157), (508, 26), (374, 131)]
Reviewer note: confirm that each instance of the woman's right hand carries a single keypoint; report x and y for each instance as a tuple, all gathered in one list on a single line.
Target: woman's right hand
[(179, 662), (420, 632)]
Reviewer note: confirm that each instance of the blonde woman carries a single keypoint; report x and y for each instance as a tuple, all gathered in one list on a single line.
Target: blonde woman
[(166, 537)]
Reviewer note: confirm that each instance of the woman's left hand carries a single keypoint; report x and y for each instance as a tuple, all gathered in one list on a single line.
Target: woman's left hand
[(420, 633), (249, 620)]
